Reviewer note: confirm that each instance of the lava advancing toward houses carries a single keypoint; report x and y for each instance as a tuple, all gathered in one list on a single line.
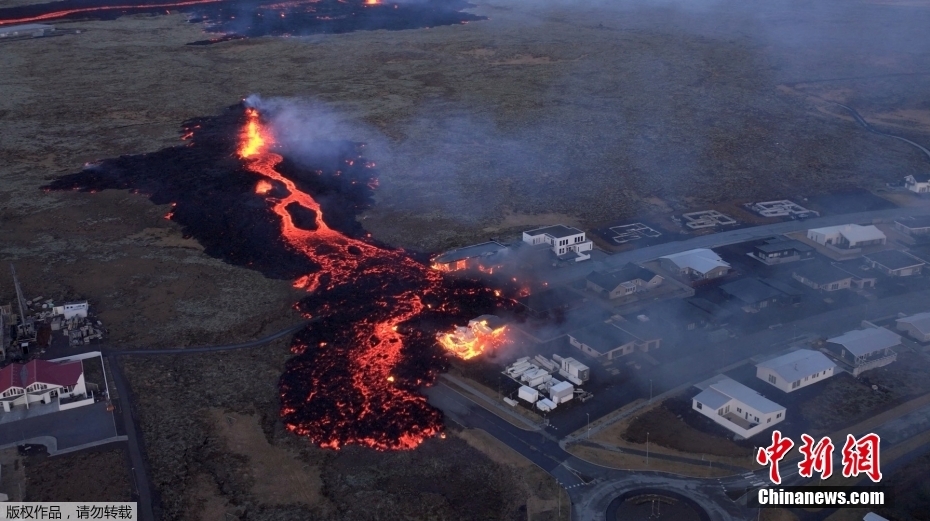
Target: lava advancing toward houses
[(374, 311), (250, 18)]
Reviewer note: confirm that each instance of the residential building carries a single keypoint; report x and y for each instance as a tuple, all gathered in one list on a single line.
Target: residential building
[(698, 264), (751, 294), (895, 263), (916, 326), (792, 295), (919, 184), (40, 381), (628, 280), (913, 226), (648, 332), (864, 349), (779, 250), (603, 339), (485, 255), (551, 302), (797, 369), (847, 236), (567, 243), (680, 315), (737, 408), (822, 276), (718, 314)]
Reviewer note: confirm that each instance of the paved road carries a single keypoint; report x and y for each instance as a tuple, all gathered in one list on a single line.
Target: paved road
[(70, 428), (859, 119)]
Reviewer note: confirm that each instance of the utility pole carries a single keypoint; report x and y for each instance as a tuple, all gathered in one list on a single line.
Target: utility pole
[(647, 449), (589, 424), (650, 390)]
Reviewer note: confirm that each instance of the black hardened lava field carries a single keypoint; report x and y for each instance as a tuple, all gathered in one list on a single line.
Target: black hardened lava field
[(251, 18), (375, 311)]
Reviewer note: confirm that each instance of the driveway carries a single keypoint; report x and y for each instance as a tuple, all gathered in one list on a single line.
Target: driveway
[(71, 428)]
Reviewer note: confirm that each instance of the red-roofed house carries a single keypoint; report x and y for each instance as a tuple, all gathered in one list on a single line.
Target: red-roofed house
[(40, 381)]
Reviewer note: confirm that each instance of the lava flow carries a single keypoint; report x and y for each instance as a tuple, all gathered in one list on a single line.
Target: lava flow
[(371, 342), (350, 385)]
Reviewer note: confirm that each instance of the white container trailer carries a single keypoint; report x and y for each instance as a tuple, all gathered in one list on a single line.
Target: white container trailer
[(518, 371), (528, 394), (561, 392), (576, 369), (545, 405), (538, 377), (563, 373), (545, 362)]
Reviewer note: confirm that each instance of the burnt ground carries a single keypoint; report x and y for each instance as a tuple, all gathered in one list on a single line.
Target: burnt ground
[(216, 446), (538, 115)]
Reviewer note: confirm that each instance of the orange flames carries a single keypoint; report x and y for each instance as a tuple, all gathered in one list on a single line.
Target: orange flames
[(478, 337), (377, 345)]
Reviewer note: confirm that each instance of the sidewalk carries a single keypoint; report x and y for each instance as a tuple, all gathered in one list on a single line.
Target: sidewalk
[(492, 405)]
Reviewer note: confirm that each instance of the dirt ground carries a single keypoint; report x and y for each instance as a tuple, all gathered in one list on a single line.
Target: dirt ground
[(98, 474)]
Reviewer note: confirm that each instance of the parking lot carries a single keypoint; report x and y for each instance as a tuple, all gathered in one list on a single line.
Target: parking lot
[(71, 428)]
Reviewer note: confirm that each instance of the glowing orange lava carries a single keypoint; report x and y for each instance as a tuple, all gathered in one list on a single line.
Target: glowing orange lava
[(480, 336), (377, 345), (69, 12)]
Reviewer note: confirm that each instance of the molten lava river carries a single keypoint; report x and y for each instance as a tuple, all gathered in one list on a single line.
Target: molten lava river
[(375, 312)]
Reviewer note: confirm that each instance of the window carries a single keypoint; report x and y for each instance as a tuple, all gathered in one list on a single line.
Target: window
[(778, 415), (691, 326), (772, 379), (769, 420), (699, 406), (834, 286), (805, 378), (757, 419), (764, 304), (739, 410), (795, 385)]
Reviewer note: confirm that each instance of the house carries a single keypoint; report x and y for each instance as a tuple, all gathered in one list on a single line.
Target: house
[(567, 243), (485, 255), (791, 294), (779, 250), (72, 309), (551, 301), (603, 339), (916, 326), (919, 184), (679, 315), (698, 264), (737, 408), (40, 381), (847, 236), (751, 294), (822, 276), (796, 369), (864, 349), (895, 263), (913, 226), (628, 280), (718, 315), (648, 332)]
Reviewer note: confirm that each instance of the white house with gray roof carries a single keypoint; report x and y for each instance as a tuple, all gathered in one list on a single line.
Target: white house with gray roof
[(916, 326), (737, 408), (567, 243), (864, 349), (698, 264), (797, 369)]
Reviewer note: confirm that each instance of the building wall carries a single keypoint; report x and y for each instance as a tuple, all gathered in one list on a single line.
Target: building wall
[(766, 374), (742, 410), (913, 332)]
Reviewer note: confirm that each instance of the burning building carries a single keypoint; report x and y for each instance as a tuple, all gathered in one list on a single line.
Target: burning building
[(484, 257), (482, 334)]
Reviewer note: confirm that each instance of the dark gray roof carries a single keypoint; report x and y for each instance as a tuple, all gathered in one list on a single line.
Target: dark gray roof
[(922, 221), (602, 337), (651, 329), (750, 290), (894, 259), (781, 244), (785, 288), (628, 273), (708, 307), (558, 231), (468, 252), (550, 299), (821, 273), (921, 178)]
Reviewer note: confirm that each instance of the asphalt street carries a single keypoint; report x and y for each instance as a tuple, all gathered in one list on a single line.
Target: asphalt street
[(70, 428)]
